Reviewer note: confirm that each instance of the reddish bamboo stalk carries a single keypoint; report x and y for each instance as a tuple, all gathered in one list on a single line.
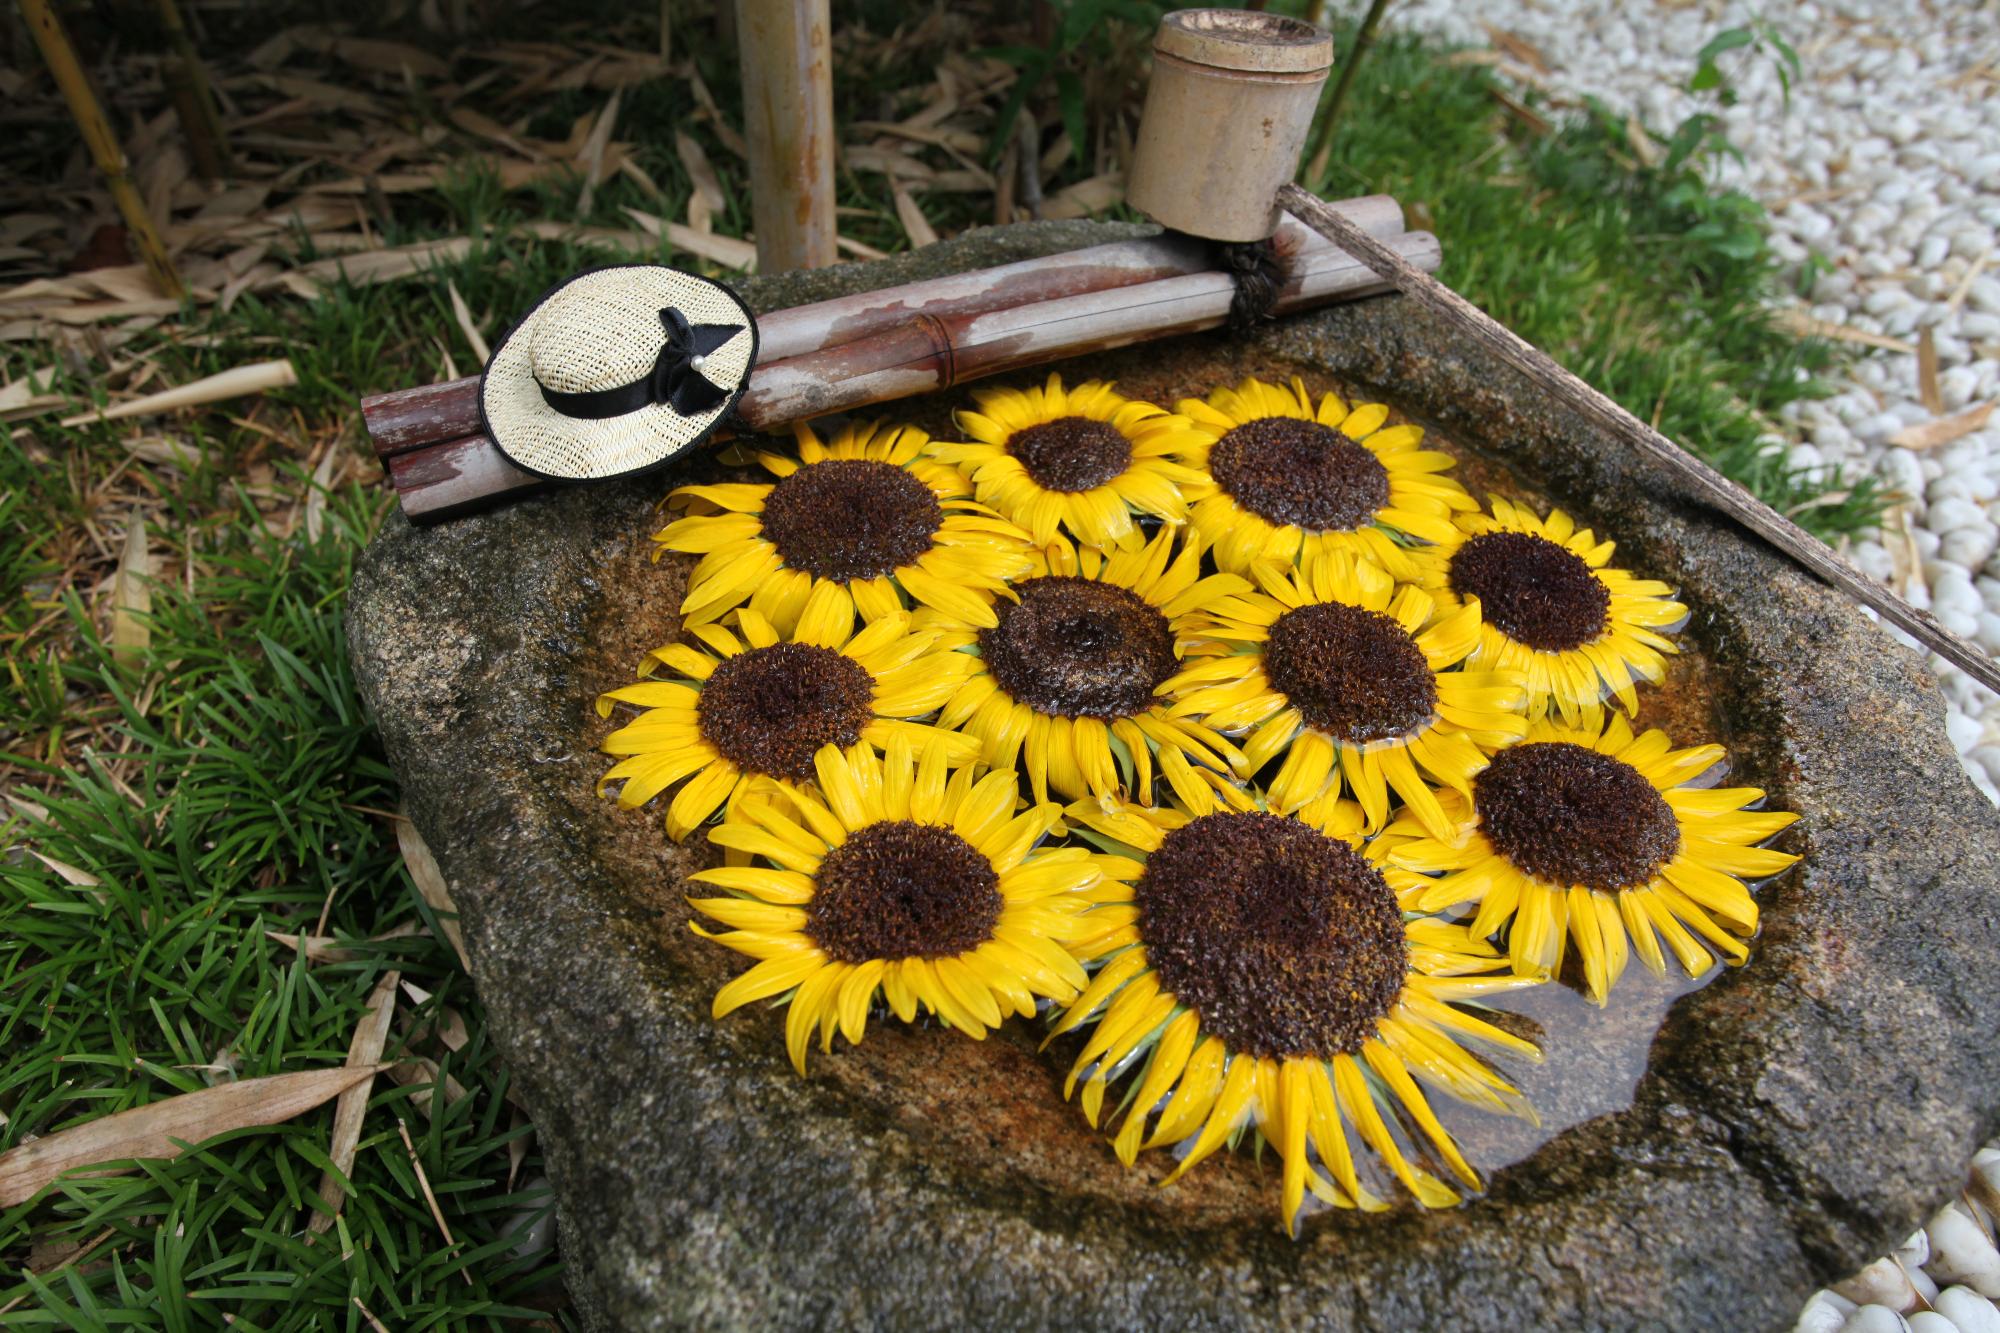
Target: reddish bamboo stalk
[(927, 353), (421, 417)]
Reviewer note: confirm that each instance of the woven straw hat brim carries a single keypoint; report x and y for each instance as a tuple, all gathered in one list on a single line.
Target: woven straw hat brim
[(539, 439)]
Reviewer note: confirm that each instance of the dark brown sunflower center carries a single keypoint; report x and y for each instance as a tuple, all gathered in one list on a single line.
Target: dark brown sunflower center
[(770, 709), (1356, 675), (1532, 590), (1569, 815), (1284, 941), (1288, 471), (1071, 453), (1078, 648), (902, 890), (851, 518)]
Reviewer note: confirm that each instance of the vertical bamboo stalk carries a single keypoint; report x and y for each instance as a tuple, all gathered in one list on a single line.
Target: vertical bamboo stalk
[(61, 59), (194, 103), (787, 60)]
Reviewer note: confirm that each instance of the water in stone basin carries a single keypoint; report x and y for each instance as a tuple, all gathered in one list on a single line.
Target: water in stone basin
[(1001, 1104)]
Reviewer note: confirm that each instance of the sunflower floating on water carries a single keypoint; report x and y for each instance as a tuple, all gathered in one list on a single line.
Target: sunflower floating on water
[(901, 649), (1343, 673), (762, 705), (1594, 836), (1082, 461), (866, 513), (1256, 969), (903, 879), (1281, 480), (1063, 686), (1553, 609)]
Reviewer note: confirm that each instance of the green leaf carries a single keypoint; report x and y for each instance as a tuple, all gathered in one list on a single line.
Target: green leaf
[(1727, 40)]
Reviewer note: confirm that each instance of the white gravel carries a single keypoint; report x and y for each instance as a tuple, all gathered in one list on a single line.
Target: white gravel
[(1886, 164)]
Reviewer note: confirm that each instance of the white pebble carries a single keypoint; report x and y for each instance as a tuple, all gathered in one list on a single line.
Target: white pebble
[(1960, 1251), (1927, 1321), (1875, 1319), (1968, 1310)]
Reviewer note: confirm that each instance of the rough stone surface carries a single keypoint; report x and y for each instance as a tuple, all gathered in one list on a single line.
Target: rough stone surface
[(925, 1181)]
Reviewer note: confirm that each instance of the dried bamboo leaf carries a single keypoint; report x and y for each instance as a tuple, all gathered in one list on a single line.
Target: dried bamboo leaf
[(591, 159), (71, 875), (915, 225), (235, 383), (467, 325), (322, 485), (430, 883), (1805, 326), (160, 1128), (707, 198), (1927, 373), (1085, 197), (326, 949), (365, 270), (1931, 434), (417, 1070), (363, 1052), (132, 596)]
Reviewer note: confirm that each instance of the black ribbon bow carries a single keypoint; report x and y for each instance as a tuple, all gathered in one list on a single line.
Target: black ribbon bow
[(674, 380)]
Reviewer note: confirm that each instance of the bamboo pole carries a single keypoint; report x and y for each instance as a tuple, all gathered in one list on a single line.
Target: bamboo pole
[(418, 417), (1709, 485), (924, 353), (194, 101), (61, 59), (787, 58)]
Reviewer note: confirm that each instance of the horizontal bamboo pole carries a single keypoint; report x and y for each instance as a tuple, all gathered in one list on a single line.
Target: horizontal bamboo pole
[(423, 416), (1711, 486), (928, 353)]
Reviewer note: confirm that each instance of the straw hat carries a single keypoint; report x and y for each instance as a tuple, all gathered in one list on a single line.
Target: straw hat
[(617, 369)]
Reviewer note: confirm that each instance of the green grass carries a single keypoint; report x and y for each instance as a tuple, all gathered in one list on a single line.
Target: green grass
[(226, 784)]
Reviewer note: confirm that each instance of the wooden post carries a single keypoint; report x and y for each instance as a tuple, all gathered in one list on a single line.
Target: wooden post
[(787, 60), (61, 59)]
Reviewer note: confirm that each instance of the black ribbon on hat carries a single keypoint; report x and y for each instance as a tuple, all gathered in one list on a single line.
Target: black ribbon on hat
[(675, 380)]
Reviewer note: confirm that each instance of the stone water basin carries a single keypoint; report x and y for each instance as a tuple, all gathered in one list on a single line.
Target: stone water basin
[(1710, 1152)]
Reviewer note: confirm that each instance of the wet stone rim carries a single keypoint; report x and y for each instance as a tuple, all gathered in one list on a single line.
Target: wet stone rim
[(900, 889), (851, 518), (1075, 647), (1284, 941), (1072, 453), (769, 710), (1568, 815), (1354, 674), (1533, 590), (1298, 473)]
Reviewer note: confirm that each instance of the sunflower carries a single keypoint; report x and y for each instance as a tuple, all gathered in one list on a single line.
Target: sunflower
[(906, 879), (1082, 460), (762, 705), (1255, 968), (1062, 687), (1344, 674), (1594, 835), (1280, 480), (867, 514), (1553, 609)]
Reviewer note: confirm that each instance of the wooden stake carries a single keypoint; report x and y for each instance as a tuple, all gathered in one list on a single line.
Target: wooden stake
[(61, 59), (194, 103), (1714, 488), (787, 57)]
